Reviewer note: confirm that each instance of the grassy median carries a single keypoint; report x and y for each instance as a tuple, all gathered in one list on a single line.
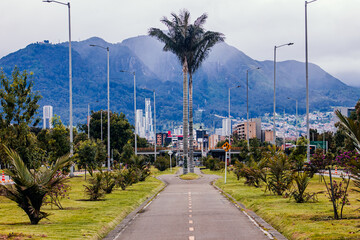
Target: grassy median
[(297, 220), (189, 176), (81, 219)]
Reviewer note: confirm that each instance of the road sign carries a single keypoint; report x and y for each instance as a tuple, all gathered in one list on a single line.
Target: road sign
[(226, 146), (170, 152)]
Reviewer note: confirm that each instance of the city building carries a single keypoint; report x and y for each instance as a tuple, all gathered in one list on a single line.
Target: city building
[(47, 116), (345, 111), (144, 121), (214, 139), (267, 136), (226, 127)]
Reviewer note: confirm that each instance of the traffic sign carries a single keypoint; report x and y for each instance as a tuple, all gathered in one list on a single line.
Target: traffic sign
[(226, 146), (170, 152)]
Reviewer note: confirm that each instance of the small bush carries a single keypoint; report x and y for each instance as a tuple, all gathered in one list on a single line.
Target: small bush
[(57, 193), (162, 163), (108, 181), (302, 180), (95, 189), (214, 164)]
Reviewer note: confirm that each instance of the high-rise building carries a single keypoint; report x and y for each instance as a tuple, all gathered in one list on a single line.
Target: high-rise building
[(144, 121), (226, 127), (47, 116), (140, 123), (345, 111)]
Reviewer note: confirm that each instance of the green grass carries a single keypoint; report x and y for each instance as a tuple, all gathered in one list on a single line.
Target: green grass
[(297, 220), (156, 172), (189, 176), (80, 219)]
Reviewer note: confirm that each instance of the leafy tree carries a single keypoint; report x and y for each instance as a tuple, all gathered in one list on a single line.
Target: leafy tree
[(19, 106), (121, 130), (55, 141), (86, 155), (30, 187)]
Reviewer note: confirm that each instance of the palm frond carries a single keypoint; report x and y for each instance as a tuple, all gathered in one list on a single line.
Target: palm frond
[(352, 129)]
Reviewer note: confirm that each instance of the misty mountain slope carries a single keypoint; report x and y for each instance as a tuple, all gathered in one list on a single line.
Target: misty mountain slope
[(155, 69)]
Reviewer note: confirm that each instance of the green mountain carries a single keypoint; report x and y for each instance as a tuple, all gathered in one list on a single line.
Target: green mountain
[(226, 67)]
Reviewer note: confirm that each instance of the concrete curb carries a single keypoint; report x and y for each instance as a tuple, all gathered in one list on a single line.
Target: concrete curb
[(258, 221), (131, 216)]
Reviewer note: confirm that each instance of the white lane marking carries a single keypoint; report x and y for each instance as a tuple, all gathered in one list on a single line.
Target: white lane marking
[(191, 229), (190, 210), (191, 238), (190, 216), (191, 221), (189, 207)]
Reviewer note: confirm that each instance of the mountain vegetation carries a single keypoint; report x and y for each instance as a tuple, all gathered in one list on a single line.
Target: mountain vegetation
[(225, 67)]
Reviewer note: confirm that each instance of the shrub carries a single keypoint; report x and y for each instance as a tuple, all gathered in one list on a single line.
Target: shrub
[(280, 175), (302, 180), (120, 179), (214, 163), (162, 163), (57, 193), (108, 181), (95, 189), (30, 187)]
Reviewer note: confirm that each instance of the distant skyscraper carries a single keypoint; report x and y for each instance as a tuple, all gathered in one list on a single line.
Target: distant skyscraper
[(47, 117), (226, 127), (145, 125)]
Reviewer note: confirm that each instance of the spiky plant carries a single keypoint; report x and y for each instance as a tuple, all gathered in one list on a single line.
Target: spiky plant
[(30, 186)]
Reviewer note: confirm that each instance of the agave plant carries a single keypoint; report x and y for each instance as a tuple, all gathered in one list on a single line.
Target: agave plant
[(30, 186)]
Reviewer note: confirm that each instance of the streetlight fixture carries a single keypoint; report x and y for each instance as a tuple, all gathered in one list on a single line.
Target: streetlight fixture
[(134, 107), (108, 102), (229, 135), (296, 120), (307, 83), (247, 104), (276, 47), (155, 139), (70, 84)]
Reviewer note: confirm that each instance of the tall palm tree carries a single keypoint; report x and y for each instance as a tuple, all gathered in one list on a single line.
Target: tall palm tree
[(176, 40), (202, 42), (30, 186)]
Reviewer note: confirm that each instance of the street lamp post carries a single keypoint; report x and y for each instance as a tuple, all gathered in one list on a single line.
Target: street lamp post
[(88, 120), (276, 47), (70, 84), (296, 119), (134, 108), (108, 102), (247, 105), (101, 126), (307, 84)]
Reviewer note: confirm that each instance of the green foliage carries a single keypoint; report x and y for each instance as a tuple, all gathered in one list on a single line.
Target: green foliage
[(30, 187), (254, 172), (121, 130), (280, 174), (95, 188), (213, 163), (54, 141), (162, 163), (301, 180), (57, 193), (90, 155), (109, 181), (128, 152), (19, 109), (298, 155)]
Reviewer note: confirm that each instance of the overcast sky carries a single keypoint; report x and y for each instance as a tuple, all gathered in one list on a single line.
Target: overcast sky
[(252, 26)]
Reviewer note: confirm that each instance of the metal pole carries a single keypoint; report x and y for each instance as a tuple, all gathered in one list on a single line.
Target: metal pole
[(274, 130), (101, 125), (135, 114), (229, 129), (284, 133), (225, 166), (297, 123), (108, 103), (155, 127), (247, 109), (307, 87), (88, 120)]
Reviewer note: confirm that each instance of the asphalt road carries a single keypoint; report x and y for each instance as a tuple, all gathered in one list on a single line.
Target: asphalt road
[(190, 210)]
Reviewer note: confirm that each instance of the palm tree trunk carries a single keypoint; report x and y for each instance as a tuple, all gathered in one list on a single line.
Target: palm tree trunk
[(185, 116), (191, 121)]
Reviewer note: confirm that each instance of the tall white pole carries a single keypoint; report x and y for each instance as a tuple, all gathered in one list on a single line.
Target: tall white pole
[(101, 125), (229, 133), (307, 87), (108, 103), (88, 121), (155, 127), (274, 112), (135, 114), (247, 109)]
